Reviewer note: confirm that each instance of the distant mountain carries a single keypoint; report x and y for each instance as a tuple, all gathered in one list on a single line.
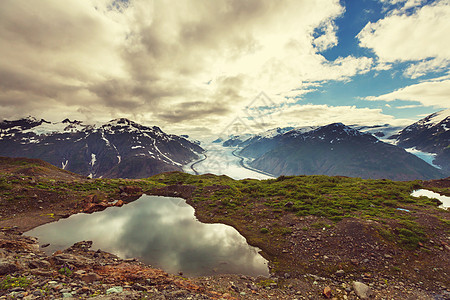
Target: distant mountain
[(244, 139), (430, 134), (119, 148), (383, 132), (334, 149)]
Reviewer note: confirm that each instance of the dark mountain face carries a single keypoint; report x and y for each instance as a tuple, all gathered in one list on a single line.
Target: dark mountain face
[(430, 134), (336, 149), (119, 148)]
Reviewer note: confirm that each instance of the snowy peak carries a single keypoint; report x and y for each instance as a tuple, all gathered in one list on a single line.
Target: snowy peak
[(338, 129), (437, 118), (430, 134), (119, 148), (274, 132), (434, 124), (21, 124)]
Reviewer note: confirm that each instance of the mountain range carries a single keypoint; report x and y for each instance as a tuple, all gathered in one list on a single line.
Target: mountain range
[(122, 148), (117, 149), (357, 151)]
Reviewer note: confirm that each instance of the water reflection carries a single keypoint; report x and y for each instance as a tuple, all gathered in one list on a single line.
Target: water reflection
[(160, 231), (444, 199)]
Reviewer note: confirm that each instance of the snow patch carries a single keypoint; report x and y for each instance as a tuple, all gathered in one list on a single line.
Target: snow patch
[(93, 159), (64, 164), (168, 158), (438, 117)]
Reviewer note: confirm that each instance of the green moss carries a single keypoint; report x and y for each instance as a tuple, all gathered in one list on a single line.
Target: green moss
[(14, 282)]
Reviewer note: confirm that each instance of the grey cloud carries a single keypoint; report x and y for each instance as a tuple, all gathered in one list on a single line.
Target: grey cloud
[(141, 58), (193, 111)]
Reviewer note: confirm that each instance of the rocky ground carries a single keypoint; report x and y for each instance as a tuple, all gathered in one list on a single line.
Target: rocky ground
[(78, 272), (346, 260)]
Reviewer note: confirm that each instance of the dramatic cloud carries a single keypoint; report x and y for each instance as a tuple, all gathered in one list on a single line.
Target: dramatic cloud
[(163, 63)]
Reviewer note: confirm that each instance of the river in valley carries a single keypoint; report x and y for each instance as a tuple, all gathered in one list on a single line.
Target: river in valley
[(162, 232), (221, 160)]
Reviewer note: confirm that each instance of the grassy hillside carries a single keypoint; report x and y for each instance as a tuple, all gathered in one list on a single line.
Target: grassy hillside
[(302, 224)]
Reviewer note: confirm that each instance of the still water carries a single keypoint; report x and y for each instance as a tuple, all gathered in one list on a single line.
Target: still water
[(162, 232), (430, 194)]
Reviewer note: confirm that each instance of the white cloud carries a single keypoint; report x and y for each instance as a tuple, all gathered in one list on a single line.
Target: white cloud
[(417, 36), (408, 106), (310, 115), (424, 67), (430, 93)]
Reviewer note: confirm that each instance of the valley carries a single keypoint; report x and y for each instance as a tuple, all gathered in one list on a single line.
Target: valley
[(223, 161)]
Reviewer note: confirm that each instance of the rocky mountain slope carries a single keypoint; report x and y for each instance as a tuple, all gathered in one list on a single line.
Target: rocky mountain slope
[(119, 148), (430, 134), (334, 149)]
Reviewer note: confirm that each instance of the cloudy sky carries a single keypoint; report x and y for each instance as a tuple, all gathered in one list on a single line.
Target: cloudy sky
[(192, 66)]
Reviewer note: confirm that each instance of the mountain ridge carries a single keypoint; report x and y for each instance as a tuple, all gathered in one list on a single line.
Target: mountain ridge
[(118, 148), (335, 149)]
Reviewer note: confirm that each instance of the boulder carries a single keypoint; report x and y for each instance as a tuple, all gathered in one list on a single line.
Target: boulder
[(90, 277), (7, 267), (131, 190), (362, 290)]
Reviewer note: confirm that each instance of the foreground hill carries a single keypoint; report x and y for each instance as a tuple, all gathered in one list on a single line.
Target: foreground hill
[(321, 234), (117, 149), (430, 134), (334, 149)]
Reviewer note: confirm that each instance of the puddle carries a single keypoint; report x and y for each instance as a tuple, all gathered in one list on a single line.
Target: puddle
[(162, 232), (444, 199)]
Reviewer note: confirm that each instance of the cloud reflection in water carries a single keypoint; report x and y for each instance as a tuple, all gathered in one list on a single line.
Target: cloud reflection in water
[(160, 231)]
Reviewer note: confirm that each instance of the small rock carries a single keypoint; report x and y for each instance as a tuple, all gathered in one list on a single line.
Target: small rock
[(178, 294), (136, 286), (362, 290), (327, 292), (354, 261), (114, 290), (388, 256), (67, 295), (7, 267), (90, 277), (340, 273)]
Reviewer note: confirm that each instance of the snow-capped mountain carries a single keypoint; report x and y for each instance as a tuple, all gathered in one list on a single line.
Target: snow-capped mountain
[(334, 149), (430, 134), (119, 148), (244, 139), (382, 132)]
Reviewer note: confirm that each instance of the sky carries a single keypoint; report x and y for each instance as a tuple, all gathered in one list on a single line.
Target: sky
[(202, 67)]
